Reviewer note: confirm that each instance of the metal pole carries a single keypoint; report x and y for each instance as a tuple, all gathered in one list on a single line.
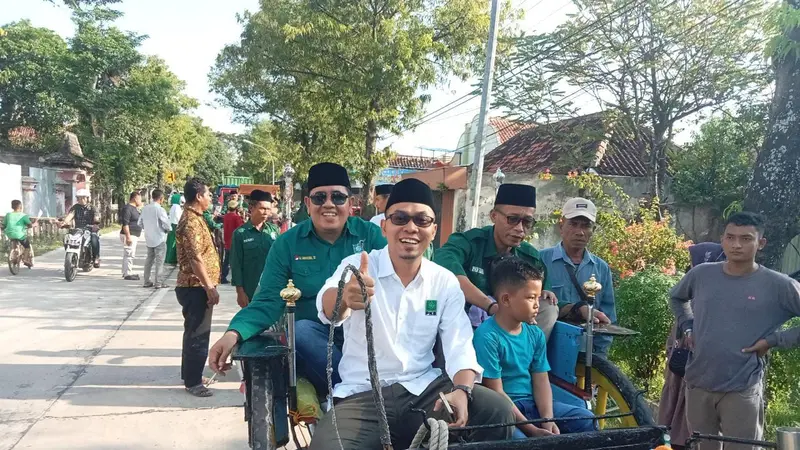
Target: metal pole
[(587, 385), (488, 73)]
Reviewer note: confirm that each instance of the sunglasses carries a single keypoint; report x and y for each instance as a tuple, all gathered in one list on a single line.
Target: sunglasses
[(401, 218), (527, 221), (338, 198)]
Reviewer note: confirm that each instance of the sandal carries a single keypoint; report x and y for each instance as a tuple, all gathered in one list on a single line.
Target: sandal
[(199, 391)]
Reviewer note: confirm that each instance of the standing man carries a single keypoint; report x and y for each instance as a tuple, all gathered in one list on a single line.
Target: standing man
[(129, 234), (413, 301), (175, 210), (250, 244), (156, 225), (230, 222), (469, 255), (15, 227), (197, 285), (81, 215), (308, 254), (570, 264), (382, 192), (729, 313)]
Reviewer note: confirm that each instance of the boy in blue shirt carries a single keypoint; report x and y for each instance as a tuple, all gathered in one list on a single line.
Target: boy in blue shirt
[(513, 352)]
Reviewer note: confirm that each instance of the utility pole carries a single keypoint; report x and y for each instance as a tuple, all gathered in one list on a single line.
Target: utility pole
[(486, 92)]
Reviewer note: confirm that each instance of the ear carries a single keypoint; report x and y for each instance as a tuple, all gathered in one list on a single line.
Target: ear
[(307, 202), (761, 243), (493, 215)]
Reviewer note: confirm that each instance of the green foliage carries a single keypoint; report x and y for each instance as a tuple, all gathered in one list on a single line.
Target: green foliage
[(715, 167), (782, 20), (643, 305), (32, 73), (334, 75), (215, 162), (783, 388), (655, 62)]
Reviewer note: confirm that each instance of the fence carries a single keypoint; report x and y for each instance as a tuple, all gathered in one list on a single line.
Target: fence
[(45, 227)]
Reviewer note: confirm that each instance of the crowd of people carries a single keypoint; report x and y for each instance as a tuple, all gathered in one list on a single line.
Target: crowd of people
[(470, 319)]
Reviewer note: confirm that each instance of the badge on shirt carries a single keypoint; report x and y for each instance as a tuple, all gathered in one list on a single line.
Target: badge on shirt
[(253, 239), (477, 269), (358, 248), (274, 235), (430, 307), (304, 258)]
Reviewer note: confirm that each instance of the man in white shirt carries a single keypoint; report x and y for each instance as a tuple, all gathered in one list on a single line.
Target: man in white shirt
[(382, 192), (156, 225), (412, 300)]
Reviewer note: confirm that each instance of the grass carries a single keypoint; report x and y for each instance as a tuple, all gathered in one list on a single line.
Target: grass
[(41, 245)]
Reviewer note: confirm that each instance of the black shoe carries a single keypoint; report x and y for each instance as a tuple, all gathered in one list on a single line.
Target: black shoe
[(132, 277), (224, 281)]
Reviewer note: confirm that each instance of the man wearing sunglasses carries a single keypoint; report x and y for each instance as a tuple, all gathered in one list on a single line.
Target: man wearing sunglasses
[(308, 254), (469, 254), (570, 264), (412, 301)]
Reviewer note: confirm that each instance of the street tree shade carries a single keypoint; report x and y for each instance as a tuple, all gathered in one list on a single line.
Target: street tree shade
[(774, 189)]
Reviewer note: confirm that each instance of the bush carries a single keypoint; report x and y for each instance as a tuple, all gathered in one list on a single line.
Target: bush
[(643, 305), (783, 388)]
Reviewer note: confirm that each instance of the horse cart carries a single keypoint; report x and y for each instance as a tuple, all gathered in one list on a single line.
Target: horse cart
[(277, 410)]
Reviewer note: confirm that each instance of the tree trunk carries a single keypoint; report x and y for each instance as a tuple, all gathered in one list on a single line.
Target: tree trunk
[(371, 141), (774, 188)]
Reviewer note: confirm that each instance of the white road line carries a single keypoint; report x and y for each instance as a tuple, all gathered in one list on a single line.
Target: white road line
[(151, 305)]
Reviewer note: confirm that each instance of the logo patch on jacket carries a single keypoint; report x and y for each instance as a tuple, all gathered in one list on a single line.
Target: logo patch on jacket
[(358, 248), (304, 258), (430, 307), (476, 269)]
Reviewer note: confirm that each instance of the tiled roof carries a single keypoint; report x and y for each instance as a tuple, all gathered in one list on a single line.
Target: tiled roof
[(535, 149), (417, 162), (506, 129)]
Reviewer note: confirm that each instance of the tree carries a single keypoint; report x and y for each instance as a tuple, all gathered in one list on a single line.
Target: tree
[(715, 167), (32, 74), (334, 75), (774, 189), (655, 63), (215, 161)]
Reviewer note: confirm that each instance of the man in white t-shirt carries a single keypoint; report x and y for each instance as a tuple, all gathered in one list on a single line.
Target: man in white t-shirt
[(412, 301), (382, 192)]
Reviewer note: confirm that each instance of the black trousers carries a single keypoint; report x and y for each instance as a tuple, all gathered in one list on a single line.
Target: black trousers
[(226, 265), (357, 417), (196, 333)]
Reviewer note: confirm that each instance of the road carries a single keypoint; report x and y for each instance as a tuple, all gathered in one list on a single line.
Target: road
[(95, 364)]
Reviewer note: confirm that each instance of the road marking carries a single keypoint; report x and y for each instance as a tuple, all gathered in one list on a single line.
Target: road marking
[(151, 305)]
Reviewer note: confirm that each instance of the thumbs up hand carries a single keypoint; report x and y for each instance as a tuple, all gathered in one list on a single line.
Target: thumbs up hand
[(351, 296)]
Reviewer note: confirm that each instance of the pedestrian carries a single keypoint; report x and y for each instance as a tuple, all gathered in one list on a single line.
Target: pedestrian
[(196, 285), (469, 255), (570, 264), (412, 301), (382, 192), (176, 209), (250, 245), (155, 222), (308, 254), (129, 234), (729, 313), (230, 222)]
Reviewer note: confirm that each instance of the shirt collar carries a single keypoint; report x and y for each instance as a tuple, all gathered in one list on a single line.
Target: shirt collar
[(559, 253), (386, 268), (491, 249), (193, 209)]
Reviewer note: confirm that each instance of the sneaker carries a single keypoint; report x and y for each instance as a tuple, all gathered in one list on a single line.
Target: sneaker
[(161, 286), (132, 278), (149, 285)]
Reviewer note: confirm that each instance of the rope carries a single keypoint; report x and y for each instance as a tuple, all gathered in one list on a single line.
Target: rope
[(377, 395), (440, 434)]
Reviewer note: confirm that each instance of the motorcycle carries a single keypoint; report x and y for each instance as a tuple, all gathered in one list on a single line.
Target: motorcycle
[(78, 247)]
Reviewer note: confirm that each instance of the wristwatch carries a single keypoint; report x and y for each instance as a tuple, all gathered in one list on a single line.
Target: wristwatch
[(462, 387)]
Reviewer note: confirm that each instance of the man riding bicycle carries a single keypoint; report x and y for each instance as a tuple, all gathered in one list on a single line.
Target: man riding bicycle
[(15, 227), (83, 214)]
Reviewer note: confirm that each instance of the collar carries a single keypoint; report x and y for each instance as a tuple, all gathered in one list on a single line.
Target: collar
[(559, 253), (491, 248), (249, 226), (193, 209), (386, 268)]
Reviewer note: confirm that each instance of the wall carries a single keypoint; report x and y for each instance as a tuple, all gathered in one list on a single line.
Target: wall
[(44, 201), (10, 186), (466, 143)]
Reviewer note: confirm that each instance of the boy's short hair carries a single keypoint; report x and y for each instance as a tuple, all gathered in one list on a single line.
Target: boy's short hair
[(510, 272), (15, 204), (745, 219)]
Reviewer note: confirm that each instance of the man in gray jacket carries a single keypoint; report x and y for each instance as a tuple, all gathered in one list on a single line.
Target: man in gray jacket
[(730, 313)]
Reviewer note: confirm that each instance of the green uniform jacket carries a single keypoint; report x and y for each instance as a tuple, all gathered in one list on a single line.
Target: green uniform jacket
[(249, 249), (273, 230), (309, 261), (470, 254)]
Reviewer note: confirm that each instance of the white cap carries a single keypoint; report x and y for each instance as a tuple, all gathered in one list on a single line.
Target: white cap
[(580, 207), (82, 193)]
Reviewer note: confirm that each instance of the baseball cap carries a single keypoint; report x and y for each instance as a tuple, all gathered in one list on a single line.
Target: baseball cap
[(580, 207)]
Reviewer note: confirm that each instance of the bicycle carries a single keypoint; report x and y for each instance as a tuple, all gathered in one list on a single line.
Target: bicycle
[(15, 253)]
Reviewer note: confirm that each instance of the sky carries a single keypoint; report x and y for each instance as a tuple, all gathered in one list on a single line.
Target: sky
[(188, 35)]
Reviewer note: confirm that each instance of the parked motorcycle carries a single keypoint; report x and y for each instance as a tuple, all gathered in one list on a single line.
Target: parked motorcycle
[(78, 246)]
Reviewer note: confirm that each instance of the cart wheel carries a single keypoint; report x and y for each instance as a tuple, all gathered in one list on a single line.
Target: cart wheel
[(615, 394), (260, 423)]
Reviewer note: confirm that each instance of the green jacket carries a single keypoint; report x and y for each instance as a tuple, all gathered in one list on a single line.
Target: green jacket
[(249, 249), (471, 253), (299, 254)]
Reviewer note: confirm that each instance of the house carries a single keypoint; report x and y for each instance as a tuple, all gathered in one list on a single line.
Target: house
[(46, 183), (588, 143), (404, 164), (498, 131)]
